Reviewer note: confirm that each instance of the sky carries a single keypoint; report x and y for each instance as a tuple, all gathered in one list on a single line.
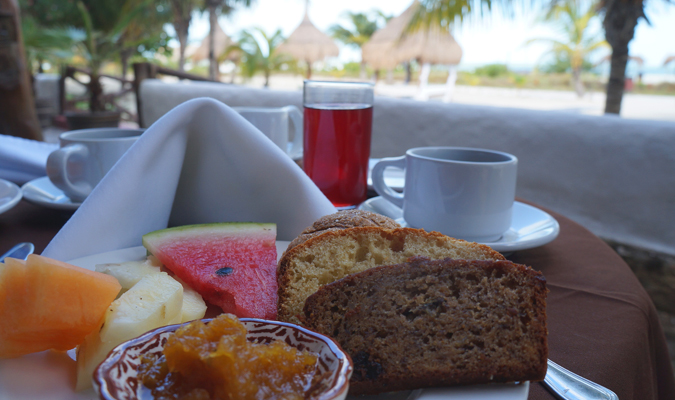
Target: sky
[(497, 39)]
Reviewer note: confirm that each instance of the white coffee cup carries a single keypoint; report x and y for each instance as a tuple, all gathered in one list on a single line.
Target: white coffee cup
[(275, 124), (85, 157), (461, 192)]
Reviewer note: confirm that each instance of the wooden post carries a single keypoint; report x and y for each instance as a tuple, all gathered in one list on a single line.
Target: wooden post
[(142, 71), (17, 105)]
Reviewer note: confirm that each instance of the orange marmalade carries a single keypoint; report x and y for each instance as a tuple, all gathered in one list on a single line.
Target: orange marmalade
[(215, 361)]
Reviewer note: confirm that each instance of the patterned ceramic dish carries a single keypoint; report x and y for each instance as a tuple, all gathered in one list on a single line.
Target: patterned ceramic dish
[(116, 377)]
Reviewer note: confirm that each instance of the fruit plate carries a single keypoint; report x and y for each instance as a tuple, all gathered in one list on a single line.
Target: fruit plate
[(50, 375)]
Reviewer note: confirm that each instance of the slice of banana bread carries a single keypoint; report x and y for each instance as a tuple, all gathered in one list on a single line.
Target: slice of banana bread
[(436, 323), (336, 254)]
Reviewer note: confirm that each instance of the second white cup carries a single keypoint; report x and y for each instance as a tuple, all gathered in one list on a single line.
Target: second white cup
[(275, 123), (85, 157), (461, 192)]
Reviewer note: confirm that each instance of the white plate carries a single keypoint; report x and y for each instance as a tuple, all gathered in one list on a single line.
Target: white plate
[(530, 226), (10, 195), (393, 177), (41, 191), (50, 375)]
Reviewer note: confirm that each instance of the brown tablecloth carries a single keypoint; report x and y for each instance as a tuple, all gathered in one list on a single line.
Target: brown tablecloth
[(602, 324)]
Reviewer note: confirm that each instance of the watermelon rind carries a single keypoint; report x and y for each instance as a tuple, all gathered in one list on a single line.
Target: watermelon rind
[(231, 228)]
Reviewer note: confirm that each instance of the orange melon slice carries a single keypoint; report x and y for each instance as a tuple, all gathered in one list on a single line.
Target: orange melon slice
[(48, 304)]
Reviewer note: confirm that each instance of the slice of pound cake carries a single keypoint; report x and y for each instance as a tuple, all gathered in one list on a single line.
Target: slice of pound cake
[(344, 219), (335, 254), (436, 323)]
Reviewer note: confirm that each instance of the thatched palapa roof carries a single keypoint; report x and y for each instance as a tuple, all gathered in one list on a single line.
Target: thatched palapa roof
[(307, 43), (222, 41), (389, 46), (380, 50)]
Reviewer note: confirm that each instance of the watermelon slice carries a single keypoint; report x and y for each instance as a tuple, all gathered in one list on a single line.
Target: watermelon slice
[(232, 265)]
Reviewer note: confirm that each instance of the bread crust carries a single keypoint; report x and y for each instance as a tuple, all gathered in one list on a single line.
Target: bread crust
[(379, 317), (344, 219), (290, 307)]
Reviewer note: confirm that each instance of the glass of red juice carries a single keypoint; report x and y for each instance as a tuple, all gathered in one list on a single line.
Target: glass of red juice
[(338, 122)]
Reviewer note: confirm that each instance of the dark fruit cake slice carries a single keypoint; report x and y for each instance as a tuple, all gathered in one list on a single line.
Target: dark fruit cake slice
[(436, 323)]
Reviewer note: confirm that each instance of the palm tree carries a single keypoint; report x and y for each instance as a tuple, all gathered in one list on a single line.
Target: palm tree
[(260, 58), (620, 19), (216, 8), (362, 29), (42, 44), (579, 43), (182, 16), (99, 47)]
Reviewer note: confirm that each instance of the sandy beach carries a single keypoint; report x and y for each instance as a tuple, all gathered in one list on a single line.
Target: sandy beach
[(637, 106)]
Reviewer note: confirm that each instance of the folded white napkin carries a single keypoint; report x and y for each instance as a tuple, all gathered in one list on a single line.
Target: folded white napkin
[(201, 162), (22, 160)]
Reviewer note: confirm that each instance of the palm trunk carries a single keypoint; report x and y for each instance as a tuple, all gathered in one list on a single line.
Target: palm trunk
[(181, 23), (578, 84), (124, 60), (309, 69), (182, 40), (213, 63), (96, 103), (617, 80), (362, 73), (17, 104), (408, 72), (620, 21)]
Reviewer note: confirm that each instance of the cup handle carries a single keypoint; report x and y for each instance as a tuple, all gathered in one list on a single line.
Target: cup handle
[(380, 187), (296, 120), (58, 174)]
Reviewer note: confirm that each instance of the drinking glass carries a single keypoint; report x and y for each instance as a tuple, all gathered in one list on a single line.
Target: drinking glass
[(338, 121)]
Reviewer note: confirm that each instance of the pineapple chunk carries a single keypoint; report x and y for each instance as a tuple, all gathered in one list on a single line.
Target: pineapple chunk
[(156, 300), (129, 273), (194, 306)]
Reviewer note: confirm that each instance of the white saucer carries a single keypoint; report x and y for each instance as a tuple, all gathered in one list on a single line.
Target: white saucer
[(42, 191), (10, 195), (530, 226)]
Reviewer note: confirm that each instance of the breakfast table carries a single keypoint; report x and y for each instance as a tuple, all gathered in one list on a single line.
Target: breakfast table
[(602, 324)]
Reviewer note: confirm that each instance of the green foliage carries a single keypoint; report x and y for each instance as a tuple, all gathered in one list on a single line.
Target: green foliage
[(578, 43), (60, 13), (42, 44), (222, 7), (258, 50), (137, 27), (561, 63), (492, 70), (362, 26)]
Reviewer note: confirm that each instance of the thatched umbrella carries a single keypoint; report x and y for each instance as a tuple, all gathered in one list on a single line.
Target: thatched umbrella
[(669, 60), (222, 42), (432, 46), (389, 46), (309, 44), (380, 51)]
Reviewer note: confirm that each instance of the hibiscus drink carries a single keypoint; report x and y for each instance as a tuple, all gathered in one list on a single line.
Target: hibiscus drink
[(337, 148), (337, 139)]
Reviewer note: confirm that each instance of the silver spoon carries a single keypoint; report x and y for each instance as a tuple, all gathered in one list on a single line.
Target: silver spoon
[(20, 251), (567, 385)]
